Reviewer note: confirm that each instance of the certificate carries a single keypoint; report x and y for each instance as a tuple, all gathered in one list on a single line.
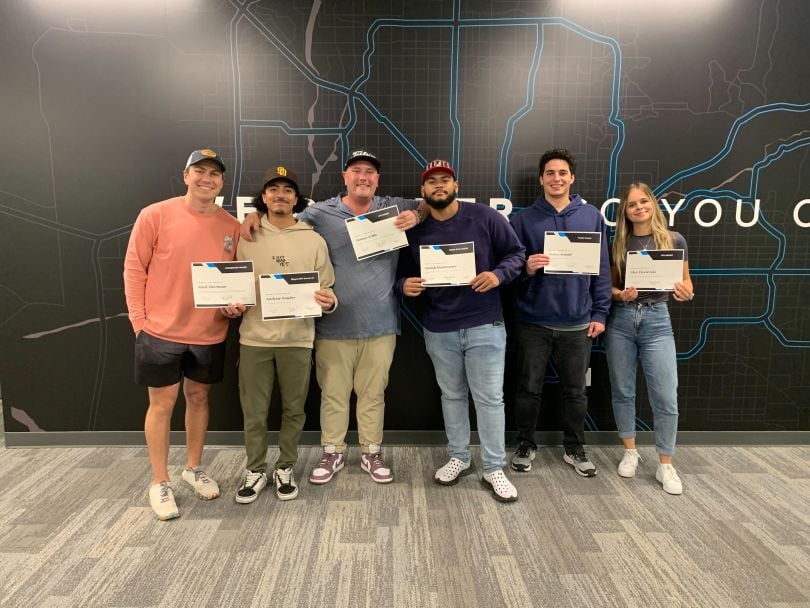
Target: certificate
[(572, 252), (447, 265), (654, 270), (374, 233), (217, 284), (289, 296)]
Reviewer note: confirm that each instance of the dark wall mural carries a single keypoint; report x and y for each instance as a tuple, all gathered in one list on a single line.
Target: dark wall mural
[(709, 102)]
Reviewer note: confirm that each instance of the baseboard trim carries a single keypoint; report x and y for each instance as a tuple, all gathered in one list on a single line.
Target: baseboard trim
[(428, 438)]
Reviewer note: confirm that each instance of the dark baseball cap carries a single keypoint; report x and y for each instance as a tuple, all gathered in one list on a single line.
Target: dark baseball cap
[(278, 172), (437, 165), (358, 155), (205, 154)]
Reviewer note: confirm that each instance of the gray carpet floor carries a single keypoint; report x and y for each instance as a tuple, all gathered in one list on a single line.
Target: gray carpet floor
[(76, 530)]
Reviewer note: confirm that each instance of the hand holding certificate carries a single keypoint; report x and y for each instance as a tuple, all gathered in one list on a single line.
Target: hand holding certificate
[(654, 270), (374, 233), (447, 265), (217, 284), (289, 296), (572, 252)]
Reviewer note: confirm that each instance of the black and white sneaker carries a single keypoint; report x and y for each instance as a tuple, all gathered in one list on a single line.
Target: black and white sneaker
[(577, 458), (286, 488), (253, 482), (521, 460)]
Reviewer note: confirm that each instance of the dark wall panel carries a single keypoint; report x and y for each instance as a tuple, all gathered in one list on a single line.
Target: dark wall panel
[(704, 100)]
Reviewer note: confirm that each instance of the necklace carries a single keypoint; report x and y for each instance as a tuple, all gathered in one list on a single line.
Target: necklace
[(646, 243)]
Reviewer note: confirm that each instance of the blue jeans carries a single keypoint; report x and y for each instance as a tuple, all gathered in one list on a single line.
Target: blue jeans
[(472, 360), (643, 332)]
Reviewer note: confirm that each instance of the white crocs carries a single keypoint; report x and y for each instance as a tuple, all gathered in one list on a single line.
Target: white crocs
[(500, 485)]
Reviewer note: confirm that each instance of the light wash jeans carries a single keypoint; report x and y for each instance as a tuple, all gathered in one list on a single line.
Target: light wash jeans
[(643, 332), (472, 360)]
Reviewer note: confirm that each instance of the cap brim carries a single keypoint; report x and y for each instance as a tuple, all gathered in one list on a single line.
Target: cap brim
[(427, 173)]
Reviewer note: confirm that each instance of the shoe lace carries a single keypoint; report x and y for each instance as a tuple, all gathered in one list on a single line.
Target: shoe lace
[(284, 476), (164, 492), (375, 460), (326, 460), (252, 477), (524, 449), (200, 475)]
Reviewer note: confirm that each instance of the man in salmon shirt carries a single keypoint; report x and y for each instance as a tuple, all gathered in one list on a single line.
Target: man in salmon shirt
[(175, 343)]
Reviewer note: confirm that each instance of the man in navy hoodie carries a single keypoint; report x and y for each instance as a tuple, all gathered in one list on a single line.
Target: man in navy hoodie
[(559, 314), (463, 324)]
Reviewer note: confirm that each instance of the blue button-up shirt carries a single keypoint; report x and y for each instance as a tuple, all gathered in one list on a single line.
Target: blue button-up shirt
[(368, 305)]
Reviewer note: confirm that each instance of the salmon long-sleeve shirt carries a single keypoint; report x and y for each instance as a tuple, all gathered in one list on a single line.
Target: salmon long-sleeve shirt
[(166, 238)]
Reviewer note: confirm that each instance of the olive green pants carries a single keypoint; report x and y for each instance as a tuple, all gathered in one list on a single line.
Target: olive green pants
[(258, 368)]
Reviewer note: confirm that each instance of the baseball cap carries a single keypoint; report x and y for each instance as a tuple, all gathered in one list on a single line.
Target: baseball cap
[(362, 155), (437, 165), (205, 154), (280, 172)]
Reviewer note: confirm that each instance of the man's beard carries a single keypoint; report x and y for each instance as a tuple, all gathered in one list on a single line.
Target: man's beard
[(441, 204)]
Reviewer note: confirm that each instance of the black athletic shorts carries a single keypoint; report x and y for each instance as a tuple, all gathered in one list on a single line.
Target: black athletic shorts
[(163, 363)]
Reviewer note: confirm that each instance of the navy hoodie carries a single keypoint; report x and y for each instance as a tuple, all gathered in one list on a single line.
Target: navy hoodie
[(561, 300)]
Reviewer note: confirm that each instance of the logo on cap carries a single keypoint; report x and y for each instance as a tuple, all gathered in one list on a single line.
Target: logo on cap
[(281, 171), (358, 155), (438, 165), (208, 153)]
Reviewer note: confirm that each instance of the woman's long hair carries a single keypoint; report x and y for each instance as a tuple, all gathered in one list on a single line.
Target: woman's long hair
[(624, 227)]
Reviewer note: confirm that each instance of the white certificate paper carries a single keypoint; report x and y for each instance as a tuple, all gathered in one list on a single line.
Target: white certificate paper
[(217, 284), (447, 265), (289, 296), (572, 252), (654, 269), (374, 233)]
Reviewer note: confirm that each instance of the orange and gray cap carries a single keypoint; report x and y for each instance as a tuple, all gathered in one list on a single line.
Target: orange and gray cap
[(205, 154)]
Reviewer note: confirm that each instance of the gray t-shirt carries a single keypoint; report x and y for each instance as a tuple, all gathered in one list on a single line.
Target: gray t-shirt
[(637, 243)]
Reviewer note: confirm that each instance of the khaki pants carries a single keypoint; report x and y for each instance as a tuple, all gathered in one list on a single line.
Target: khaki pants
[(361, 365), (258, 367)]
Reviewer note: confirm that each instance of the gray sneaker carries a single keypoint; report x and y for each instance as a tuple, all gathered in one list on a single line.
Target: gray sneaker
[(577, 458), (522, 458)]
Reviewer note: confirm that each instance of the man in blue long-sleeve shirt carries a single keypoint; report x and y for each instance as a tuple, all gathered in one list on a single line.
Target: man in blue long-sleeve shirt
[(558, 314), (463, 325)]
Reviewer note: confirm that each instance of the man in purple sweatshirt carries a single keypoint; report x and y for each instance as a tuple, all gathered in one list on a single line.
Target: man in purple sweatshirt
[(463, 321), (559, 314)]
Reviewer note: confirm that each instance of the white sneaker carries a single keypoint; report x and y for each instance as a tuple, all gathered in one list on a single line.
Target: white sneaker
[(501, 487), (668, 477), (253, 482), (161, 499), (629, 463), (450, 473), (205, 487), (284, 480)]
